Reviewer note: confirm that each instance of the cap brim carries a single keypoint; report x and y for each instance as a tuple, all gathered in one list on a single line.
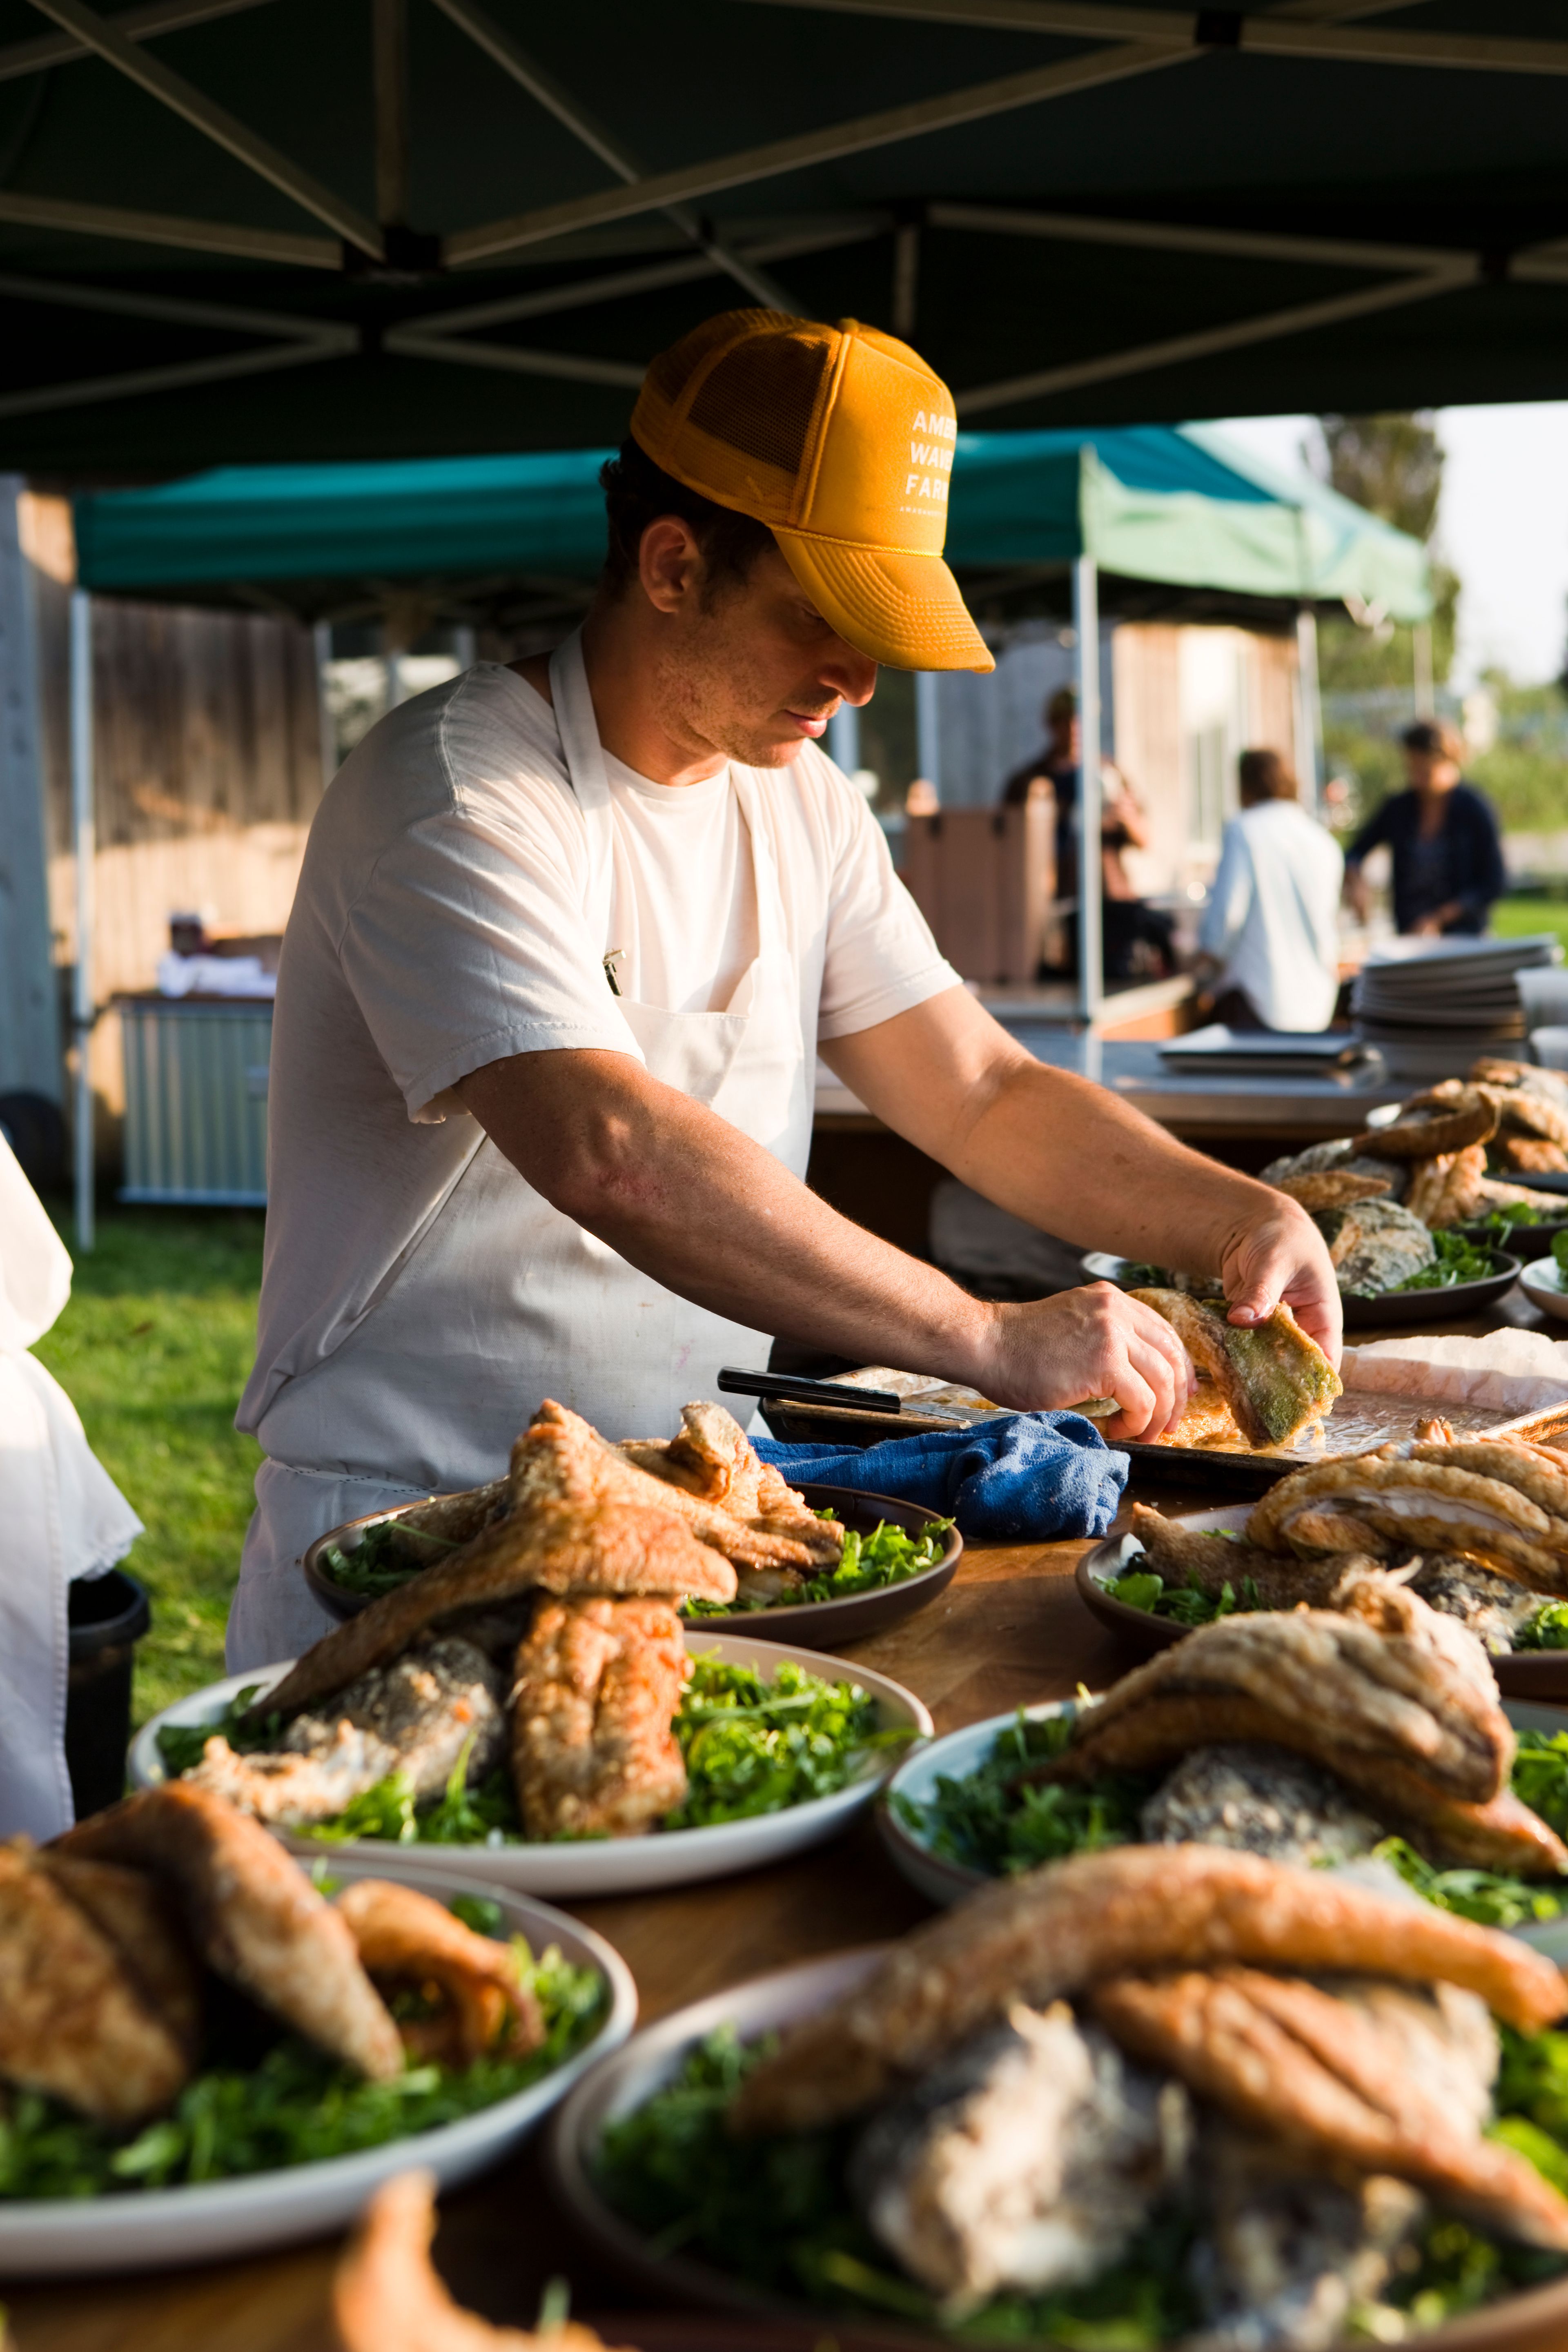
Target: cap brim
[(903, 610)]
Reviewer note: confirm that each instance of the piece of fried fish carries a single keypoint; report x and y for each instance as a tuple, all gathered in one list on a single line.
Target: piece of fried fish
[(1276, 1380), (1131, 1909), (713, 1458), (597, 1687), (1506, 1506)]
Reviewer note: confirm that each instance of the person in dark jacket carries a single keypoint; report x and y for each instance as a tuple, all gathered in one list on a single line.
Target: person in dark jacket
[(1447, 858)]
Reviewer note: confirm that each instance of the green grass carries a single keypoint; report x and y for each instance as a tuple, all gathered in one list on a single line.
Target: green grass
[(1517, 918), (153, 1350)]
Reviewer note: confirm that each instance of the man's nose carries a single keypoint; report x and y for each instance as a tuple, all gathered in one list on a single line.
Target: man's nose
[(850, 672)]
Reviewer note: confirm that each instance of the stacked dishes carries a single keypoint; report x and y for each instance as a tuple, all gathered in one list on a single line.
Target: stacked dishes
[(1429, 1005)]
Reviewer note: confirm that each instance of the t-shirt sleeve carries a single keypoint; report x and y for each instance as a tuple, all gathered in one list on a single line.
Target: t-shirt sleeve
[(469, 940), (881, 957)]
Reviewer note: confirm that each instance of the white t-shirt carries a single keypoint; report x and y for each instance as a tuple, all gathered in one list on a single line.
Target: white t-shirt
[(1272, 917), (439, 925)]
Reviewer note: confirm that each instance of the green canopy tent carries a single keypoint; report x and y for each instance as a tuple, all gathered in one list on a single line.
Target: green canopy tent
[(259, 230), (1167, 515)]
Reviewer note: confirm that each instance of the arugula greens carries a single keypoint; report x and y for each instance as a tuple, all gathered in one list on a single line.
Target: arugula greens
[(1458, 1259), (1185, 1604), (987, 1822), (296, 2105), (1498, 1223), (751, 1748), (1490, 1897), (1560, 1253), (887, 1556), (1547, 1630), (384, 1558)]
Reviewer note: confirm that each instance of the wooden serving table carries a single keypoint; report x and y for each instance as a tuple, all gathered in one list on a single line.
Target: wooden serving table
[(1009, 1631)]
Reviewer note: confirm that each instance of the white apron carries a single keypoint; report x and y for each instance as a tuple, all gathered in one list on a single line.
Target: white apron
[(502, 1300)]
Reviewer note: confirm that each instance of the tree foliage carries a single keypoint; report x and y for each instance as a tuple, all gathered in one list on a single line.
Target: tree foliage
[(1391, 465)]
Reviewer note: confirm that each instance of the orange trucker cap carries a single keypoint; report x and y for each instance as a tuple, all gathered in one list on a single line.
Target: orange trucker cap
[(841, 440)]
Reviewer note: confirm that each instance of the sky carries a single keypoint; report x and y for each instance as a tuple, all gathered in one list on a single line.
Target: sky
[(1503, 524)]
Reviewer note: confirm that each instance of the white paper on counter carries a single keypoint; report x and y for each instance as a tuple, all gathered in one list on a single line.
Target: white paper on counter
[(1512, 1371)]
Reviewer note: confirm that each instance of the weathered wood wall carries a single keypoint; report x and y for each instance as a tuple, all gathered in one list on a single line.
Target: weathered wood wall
[(208, 770)]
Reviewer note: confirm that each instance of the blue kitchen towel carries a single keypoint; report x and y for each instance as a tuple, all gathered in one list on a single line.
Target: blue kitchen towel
[(1028, 1478)]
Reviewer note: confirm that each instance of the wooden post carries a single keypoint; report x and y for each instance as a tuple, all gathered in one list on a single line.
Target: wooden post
[(29, 1013)]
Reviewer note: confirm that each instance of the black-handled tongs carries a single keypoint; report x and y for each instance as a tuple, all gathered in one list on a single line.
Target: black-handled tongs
[(789, 1389)]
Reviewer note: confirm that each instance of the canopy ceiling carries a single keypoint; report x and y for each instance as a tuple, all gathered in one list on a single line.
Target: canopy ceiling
[(244, 231), (1150, 504)]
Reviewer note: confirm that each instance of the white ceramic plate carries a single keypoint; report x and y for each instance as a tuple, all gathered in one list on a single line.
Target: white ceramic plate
[(615, 1866), (943, 1881), (144, 2229), (1542, 1285), (1528, 2322)]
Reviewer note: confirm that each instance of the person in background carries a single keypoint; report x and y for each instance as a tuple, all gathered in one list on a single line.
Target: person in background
[(1139, 938), (1443, 836), (1270, 936)]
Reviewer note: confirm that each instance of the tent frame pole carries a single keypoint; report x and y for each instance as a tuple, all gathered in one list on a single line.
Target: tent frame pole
[(85, 845), (1311, 753), (1090, 925)]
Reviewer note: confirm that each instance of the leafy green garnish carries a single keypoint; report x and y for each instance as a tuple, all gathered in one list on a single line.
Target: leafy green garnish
[(181, 1745), (1458, 1260), (1541, 1776), (1547, 1630), (1185, 1604), (296, 2105), (751, 1748), (1500, 1222), (988, 1822), (887, 1556), (386, 1556), (1487, 1897), (1560, 1253)]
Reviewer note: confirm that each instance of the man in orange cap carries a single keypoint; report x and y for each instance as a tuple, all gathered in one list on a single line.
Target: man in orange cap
[(568, 939)]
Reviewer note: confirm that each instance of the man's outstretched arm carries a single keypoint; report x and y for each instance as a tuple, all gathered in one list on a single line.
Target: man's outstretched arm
[(1072, 1159), (685, 1196)]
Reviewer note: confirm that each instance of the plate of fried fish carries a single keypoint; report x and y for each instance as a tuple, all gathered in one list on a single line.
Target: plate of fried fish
[(1151, 2096), (1478, 1530), (843, 1565), (578, 1744), (205, 2052)]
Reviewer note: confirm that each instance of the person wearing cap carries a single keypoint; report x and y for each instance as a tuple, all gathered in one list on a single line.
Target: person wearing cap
[(1443, 840), (568, 937)]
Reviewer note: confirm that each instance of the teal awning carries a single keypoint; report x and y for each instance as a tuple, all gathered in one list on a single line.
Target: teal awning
[(1156, 503)]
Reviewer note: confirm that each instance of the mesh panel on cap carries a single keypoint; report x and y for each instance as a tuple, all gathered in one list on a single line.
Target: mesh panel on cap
[(672, 370), (761, 398)]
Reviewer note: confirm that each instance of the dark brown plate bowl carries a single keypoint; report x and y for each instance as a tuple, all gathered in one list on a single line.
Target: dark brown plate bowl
[(1526, 1673), (813, 1624), (1535, 2320)]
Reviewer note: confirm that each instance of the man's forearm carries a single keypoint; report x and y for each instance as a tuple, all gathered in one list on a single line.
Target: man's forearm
[(1069, 1157), (687, 1198)]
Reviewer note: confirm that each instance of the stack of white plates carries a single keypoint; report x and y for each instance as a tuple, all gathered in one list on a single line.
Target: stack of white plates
[(1431, 1006)]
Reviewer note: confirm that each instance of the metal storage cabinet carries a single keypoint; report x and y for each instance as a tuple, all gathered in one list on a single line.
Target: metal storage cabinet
[(195, 1100)]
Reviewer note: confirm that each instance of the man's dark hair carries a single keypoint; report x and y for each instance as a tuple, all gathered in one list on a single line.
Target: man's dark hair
[(636, 492), (1436, 738)]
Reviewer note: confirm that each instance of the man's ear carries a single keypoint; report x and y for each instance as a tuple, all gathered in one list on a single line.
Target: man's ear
[(670, 564)]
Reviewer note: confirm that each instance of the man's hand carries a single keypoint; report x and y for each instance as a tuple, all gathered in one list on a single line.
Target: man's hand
[(1280, 1255), (1094, 1342)]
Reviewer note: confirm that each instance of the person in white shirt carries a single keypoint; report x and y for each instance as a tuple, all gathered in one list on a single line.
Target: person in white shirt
[(1270, 930), (567, 938)]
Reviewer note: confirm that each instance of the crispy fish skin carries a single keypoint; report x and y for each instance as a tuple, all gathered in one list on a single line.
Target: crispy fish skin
[(1331, 1188), (562, 1458), (1426, 1496), (135, 1913), (1421, 1132), (1206, 1420), (406, 1939), (74, 2023), (1129, 1909), (255, 1916), (1323, 1682), (1210, 1562), (608, 1546), (598, 1684), (713, 1458), (1448, 1190), (1276, 1380), (1287, 2057)]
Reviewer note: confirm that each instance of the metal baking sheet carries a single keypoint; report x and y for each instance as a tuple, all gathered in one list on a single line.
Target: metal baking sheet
[(1359, 1421)]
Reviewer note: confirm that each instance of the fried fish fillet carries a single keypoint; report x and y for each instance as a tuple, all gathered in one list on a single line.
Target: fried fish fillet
[(1335, 2078), (1331, 1188), (1431, 1124), (561, 1537), (1411, 1688), (1448, 1190), (1531, 1155), (139, 1917), (598, 1684), (387, 2297), (562, 1458), (1131, 1909), (74, 2023), (255, 1916), (1209, 1562), (407, 1942), (1522, 1111), (713, 1458), (1498, 1502), (1276, 1380), (1206, 1420)]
